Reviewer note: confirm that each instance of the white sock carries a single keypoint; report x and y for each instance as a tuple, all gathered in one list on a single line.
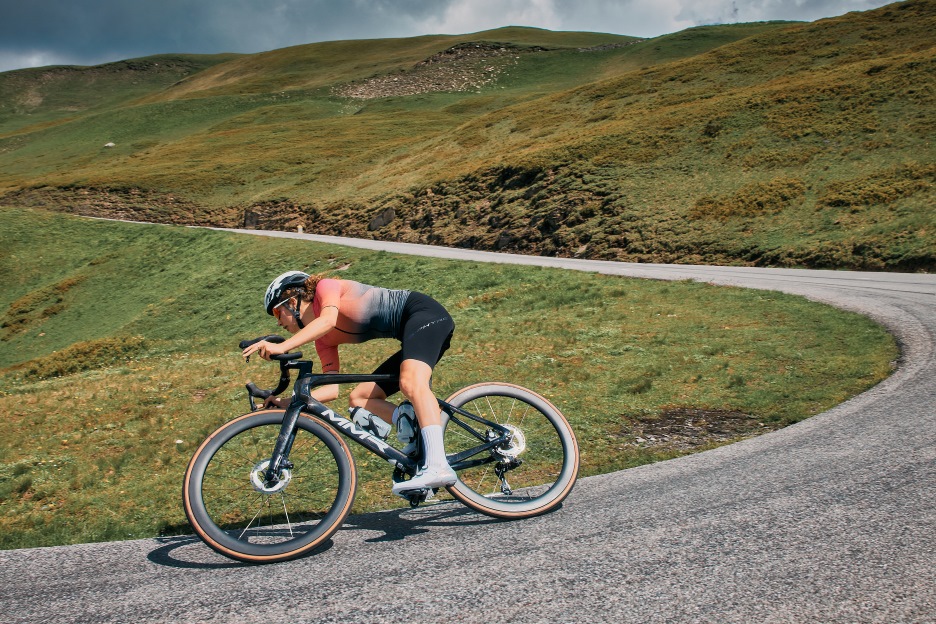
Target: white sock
[(435, 446)]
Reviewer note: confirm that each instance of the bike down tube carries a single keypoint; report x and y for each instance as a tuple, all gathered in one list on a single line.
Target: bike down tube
[(369, 441), (352, 431)]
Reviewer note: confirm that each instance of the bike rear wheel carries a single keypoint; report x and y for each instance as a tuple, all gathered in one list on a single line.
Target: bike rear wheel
[(240, 516), (543, 441)]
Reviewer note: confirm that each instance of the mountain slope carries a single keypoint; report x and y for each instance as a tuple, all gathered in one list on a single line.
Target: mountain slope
[(775, 143), (47, 94)]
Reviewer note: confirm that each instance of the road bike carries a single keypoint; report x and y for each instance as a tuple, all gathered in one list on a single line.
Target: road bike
[(275, 484)]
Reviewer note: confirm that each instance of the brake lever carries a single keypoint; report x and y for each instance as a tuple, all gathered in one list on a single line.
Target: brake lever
[(270, 338)]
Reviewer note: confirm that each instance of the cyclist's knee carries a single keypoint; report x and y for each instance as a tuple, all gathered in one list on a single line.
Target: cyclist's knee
[(413, 387), (415, 378)]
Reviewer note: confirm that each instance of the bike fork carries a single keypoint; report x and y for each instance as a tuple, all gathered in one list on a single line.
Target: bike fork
[(284, 441)]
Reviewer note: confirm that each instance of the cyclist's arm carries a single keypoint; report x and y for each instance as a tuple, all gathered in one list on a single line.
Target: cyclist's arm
[(320, 326), (328, 357), (323, 323)]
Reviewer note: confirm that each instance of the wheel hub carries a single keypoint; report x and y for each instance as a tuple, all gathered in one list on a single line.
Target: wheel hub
[(517, 443), (259, 482)]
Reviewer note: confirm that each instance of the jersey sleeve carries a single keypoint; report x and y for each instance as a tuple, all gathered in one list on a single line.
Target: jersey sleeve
[(328, 293), (328, 356)]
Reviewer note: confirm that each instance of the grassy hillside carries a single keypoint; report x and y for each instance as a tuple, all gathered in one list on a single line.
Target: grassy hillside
[(118, 356), (767, 144), (40, 97)]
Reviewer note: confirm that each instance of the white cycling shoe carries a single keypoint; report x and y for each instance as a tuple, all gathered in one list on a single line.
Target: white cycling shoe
[(426, 479)]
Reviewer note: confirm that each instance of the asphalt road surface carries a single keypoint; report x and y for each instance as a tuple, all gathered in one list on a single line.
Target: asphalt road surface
[(830, 520)]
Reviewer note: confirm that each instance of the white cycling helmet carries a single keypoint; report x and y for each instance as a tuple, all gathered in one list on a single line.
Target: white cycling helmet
[(274, 292)]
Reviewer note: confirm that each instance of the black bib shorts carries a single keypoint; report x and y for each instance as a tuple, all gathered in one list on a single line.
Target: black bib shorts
[(426, 330)]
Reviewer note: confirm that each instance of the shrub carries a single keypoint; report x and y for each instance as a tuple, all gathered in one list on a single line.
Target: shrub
[(751, 200), (82, 356), (39, 304), (883, 187)]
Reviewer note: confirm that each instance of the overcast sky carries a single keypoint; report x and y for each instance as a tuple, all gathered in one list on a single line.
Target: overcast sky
[(35, 33)]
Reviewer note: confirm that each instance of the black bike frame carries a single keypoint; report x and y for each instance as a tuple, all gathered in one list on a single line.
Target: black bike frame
[(302, 401)]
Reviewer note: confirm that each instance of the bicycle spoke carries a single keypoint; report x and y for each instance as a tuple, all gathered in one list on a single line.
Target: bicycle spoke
[(286, 513), (492, 411), (256, 515), (510, 413)]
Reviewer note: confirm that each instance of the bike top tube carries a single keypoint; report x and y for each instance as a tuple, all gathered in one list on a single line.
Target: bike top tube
[(325, 379), (292, 361)]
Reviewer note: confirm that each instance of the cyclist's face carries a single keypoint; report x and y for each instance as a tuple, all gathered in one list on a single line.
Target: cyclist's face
[(285, 318)]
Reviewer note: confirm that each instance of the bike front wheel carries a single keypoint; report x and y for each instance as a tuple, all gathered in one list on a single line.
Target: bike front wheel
[(235, 512), (543, 455)]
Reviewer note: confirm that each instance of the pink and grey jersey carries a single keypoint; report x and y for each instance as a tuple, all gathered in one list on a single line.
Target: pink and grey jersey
[(364, 313)]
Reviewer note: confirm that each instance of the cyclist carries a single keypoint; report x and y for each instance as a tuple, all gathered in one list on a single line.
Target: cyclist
[(332, 312)]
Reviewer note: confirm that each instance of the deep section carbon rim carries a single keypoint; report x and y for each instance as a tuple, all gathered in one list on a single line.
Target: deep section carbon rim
[(542, 441), (238, 514)]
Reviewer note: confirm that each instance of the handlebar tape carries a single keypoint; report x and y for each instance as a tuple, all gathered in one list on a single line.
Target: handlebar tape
[(274, 339)]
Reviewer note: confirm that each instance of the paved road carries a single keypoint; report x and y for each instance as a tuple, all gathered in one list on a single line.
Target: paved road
[(829, 520)]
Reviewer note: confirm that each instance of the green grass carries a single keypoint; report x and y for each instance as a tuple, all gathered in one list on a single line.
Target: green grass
[(681, 148), (49, 95), (118, 356)]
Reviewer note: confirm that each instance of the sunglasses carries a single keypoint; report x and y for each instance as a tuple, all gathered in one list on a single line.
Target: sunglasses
[(280, 304), (295, 313)]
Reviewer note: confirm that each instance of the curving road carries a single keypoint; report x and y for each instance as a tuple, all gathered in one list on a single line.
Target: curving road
[(829, 520)]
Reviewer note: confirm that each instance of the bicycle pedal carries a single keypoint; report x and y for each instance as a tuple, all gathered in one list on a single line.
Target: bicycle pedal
[(414, 492), (415, 497)]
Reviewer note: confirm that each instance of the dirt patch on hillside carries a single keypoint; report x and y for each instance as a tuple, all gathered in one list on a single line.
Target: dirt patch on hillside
[(126, 204), (684, 428), (36, 307), (464, 67)]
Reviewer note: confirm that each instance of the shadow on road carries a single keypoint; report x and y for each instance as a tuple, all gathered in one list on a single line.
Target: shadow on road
[(401, 523), (187, 551)]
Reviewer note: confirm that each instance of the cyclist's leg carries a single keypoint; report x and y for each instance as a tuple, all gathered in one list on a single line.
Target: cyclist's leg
[(427, 334), (415, 376), (373, 396), (426, 337), (435, 470)]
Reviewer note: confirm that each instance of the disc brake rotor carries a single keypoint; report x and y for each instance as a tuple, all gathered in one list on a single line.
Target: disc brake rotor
[(517, 443), (258, 478)]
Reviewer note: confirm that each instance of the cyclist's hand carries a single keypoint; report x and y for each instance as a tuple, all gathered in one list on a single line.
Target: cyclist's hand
[(272, 401), (264, 349)]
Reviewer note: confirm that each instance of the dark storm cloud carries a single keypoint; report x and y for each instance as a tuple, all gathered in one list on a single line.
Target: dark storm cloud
[(90, 32), (86, 32), (95, 31)]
